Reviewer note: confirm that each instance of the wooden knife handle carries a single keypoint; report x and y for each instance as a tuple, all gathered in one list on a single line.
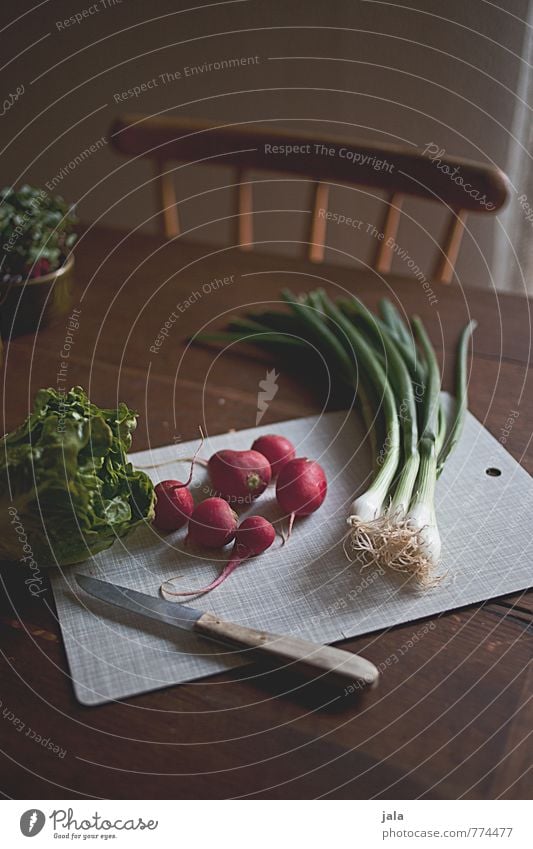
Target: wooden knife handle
[(323, 663)]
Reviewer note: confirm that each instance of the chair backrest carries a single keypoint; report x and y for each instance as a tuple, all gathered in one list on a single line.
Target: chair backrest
[(461, 185)]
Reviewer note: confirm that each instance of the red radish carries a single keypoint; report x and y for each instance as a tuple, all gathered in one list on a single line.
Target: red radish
[(253, 536), (174, 502), (276, 449), (301, 488), (239, 476), (174, 505), (212, 524)]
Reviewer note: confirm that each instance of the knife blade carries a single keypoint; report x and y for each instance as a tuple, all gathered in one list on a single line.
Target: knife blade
[(180, 615), (326, 664)]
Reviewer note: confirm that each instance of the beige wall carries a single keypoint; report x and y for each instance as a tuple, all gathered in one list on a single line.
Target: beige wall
[(385, 72)]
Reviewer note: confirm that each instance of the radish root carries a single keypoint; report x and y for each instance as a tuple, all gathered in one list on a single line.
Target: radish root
[(192, 460), (225, 573)]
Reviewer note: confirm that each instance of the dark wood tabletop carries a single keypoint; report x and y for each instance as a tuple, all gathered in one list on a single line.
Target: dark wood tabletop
[(449, 720)]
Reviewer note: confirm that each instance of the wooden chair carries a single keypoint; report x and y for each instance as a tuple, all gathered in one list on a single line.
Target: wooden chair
[(461, 185)]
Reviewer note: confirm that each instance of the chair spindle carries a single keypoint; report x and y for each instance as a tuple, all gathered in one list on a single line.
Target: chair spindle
[(245, 225), (390, 223), (317, 233), (167, 202), (448, 253)]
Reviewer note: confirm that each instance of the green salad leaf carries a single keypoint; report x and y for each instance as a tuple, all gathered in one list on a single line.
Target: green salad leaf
[(65, 473)]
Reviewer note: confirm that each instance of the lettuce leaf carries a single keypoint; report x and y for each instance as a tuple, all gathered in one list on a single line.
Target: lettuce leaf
[(65, 473)]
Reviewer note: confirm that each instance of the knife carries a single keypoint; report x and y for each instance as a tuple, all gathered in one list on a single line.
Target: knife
[(328, 664)]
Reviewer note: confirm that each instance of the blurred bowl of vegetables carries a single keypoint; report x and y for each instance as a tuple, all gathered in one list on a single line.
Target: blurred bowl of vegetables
[(36, 266)]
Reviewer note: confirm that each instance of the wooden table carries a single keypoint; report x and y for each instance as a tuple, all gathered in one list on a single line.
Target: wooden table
[(450, 720)]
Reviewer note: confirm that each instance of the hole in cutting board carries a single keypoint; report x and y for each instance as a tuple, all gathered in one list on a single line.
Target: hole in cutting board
[(493, 472)]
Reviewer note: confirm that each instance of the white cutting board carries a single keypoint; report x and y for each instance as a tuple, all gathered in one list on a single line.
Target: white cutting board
[(307, 587)]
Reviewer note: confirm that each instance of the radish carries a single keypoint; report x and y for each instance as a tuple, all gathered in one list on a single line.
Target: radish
[(174, 502), (239, 476), (212, 524), (276, 449), (301, 488), (174, 505), (253, 536)]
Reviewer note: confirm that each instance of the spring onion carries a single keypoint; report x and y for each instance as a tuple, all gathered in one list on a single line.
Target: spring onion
[(461, 402)]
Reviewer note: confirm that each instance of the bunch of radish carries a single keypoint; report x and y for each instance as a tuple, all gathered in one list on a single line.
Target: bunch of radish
[(239, 478)]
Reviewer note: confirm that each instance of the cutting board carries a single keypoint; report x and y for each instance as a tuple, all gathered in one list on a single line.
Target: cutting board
[(307, 587)]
